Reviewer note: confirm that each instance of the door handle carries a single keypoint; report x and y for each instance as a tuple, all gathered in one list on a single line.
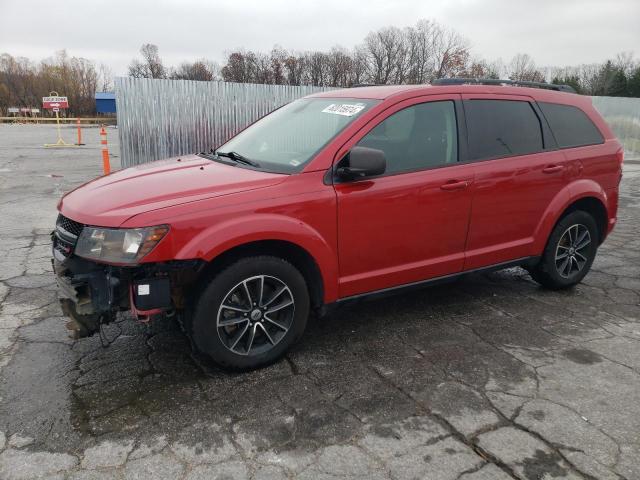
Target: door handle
[(553, 169), (454, 185)]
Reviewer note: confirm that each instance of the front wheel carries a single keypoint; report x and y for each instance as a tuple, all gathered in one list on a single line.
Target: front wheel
[(251, 313), (569, 253)]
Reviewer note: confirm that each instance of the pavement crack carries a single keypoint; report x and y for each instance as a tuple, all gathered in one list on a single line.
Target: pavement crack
[(512, 420), (598, 428), (506, 352), (554, 449), (475, 469), (455, 433)]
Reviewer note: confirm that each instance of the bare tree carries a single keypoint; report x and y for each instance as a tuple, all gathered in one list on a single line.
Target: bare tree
[(450, 53), (421, 51), (589, 76), (358, 72), (387, 56), (476, 69), (338, 66), (523, 68), (237, 67), (17, 80), (151, 65), (24, 83), (74, 77), (413, 55), (137, 69), (295, 67), (201, 70), (278, 59), (316, 68), (625, 62), (260, 65), (105, 78), (383, 49), (496, 69)]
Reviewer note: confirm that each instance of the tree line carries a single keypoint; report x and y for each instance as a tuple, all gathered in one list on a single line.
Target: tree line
[(23, 83), (412, 55)]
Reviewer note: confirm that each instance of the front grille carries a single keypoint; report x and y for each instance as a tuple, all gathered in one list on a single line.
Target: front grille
[(66, 235), (69, 225)]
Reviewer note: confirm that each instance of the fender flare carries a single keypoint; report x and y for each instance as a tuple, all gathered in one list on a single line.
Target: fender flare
[(221, 237), (570, 194)]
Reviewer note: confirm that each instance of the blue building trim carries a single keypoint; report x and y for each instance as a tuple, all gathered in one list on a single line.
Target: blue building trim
[(105, 102)]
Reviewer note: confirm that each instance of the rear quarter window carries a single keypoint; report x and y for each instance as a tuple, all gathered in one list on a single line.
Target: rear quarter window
[(502, 128), (570, 125)]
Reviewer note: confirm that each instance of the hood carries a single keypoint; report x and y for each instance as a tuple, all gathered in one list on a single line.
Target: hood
[(110, 200)]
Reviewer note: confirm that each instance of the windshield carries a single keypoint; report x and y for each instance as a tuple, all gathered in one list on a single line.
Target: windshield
[(285, 140)]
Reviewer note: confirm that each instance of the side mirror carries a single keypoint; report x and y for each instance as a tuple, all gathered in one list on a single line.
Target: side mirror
[(362, 162)]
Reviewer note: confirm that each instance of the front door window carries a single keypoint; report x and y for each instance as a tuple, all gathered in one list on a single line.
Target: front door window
[(418, 137)]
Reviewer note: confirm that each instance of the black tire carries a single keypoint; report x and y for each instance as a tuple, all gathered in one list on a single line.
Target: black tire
[(556, 272), (269, 340)]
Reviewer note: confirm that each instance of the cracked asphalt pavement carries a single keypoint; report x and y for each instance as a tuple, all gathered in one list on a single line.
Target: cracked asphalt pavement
[(488, 378)]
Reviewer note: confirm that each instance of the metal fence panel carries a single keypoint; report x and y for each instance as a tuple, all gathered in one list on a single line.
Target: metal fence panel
[(163, 118), (623, 116)]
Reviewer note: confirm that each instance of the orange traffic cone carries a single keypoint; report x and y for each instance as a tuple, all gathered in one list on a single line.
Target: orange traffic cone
[(106, 166)]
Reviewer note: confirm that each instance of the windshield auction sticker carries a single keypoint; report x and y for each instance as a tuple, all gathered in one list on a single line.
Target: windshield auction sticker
[(346, 109)]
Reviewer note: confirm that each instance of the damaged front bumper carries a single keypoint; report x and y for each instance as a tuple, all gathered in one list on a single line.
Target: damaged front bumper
[(92, 293)]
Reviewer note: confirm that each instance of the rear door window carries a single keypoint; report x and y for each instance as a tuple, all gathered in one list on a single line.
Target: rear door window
[(501, 128), (570, 125)]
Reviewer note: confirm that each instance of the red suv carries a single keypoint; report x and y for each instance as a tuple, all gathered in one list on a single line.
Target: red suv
[(336, 196)]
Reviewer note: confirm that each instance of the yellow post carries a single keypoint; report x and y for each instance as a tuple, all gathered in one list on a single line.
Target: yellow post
[(58, 124), (60, 142)]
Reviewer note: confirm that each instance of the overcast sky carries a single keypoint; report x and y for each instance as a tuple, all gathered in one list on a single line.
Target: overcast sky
[(554, 32)]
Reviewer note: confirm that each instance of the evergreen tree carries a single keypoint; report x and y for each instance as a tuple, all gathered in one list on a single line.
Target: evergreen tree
[(633, 83), (571, 80), (618, 84)]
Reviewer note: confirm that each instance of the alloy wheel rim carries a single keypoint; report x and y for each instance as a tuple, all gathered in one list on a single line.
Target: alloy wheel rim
[(573, 250), (255, 315)]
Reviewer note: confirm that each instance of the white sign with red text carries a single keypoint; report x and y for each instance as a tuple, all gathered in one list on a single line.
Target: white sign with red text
[(55, 102)]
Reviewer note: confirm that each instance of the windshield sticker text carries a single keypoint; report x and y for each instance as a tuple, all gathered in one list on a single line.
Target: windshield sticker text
[(346, 109)]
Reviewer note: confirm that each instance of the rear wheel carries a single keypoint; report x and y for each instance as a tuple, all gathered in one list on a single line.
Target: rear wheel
[(251, 313), (569, 253)]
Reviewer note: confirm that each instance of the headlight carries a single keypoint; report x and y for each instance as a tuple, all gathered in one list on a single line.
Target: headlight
[(118, 245)]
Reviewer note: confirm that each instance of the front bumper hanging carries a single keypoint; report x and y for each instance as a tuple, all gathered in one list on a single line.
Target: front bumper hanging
[(91, 293)]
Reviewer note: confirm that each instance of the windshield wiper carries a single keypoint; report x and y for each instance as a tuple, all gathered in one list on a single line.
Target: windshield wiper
[(238, 158)]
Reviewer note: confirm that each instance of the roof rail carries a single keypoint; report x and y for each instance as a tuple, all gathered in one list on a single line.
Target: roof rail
[(359, 85), (497, 81)]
